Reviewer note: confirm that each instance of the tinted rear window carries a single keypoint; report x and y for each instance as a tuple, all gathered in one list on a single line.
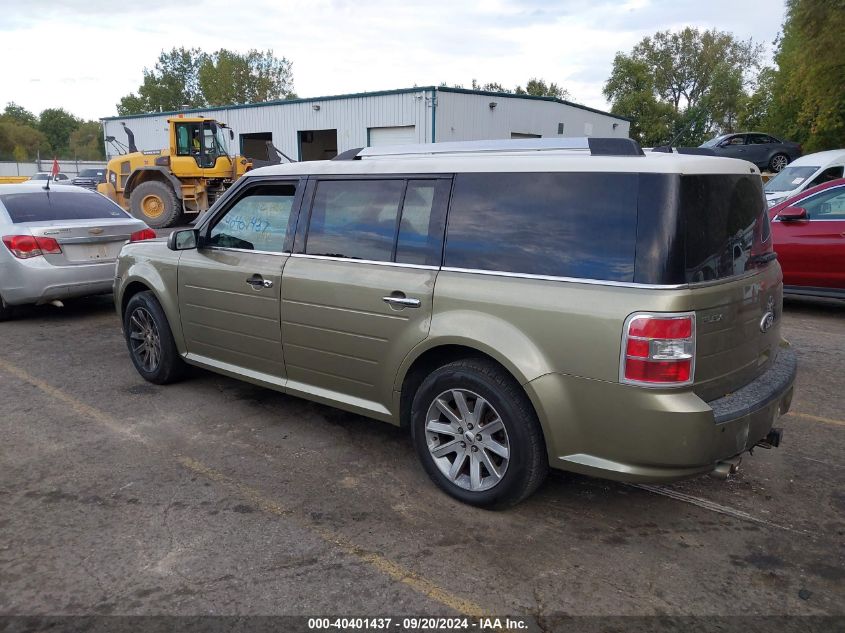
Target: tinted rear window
[(558, 224), (42, 206)]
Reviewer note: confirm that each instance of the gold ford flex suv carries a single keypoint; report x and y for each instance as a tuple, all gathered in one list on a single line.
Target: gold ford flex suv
[(568, 303)]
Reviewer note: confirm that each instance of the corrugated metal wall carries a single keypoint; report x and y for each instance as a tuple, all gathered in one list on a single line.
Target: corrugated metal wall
[(351, 117), (459, 116), (468, 117)]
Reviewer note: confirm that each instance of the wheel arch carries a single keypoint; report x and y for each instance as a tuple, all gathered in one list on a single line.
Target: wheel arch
[(141, 278), (430, 355), (147, 174)]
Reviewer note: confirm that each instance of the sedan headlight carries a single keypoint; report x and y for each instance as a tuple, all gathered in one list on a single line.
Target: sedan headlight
[(774, 201)]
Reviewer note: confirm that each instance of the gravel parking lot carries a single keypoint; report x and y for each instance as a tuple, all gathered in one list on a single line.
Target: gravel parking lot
[(213, 496)]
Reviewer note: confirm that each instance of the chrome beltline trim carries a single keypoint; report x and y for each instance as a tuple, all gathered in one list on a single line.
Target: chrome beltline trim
[(364, 261), (576, 280)]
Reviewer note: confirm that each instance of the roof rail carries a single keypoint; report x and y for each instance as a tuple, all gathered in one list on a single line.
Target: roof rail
[(596, 147), (694, 151)]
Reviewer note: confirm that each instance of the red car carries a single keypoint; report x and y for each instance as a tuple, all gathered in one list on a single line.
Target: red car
[(809, 239)]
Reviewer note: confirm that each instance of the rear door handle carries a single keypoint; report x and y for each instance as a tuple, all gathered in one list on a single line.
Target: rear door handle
[(403, 301), (258, 282)]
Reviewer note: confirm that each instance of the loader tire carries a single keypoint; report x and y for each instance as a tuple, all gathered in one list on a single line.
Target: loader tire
[(155, 203)]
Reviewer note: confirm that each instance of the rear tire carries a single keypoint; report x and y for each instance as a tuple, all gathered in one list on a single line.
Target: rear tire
[(490, 457), (150, 340), (778, 162), (155, 203)]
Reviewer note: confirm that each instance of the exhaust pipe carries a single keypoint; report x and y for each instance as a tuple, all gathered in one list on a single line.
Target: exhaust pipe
[(727, 467)]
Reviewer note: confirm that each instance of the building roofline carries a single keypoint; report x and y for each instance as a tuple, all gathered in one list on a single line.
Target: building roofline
[(359, 95)]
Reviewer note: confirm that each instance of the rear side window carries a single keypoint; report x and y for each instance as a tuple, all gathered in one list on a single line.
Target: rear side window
[(726, 225), (581, 225), (393, 220), (43, 206)]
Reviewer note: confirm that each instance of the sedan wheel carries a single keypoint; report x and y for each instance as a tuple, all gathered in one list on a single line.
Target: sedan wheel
[(467, 440), (144, 339), (778, 162)]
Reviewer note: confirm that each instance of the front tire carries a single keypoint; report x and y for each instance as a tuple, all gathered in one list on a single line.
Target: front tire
[(477, 435), (778, 162), (155, 203), (150, 340)]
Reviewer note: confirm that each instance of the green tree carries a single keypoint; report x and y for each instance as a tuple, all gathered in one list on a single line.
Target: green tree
[(535, 87), (193, 78), (807, 99), (57, 125), (226, 77), (21, 142), (19, 114), (171, 84), (705, 77), (632, 93), (86, 142)]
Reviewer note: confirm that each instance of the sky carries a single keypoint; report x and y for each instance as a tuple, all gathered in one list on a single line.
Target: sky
[(84, 55)]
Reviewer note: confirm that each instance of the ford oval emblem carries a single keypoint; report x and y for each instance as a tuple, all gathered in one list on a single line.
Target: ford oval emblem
[(767, 321)]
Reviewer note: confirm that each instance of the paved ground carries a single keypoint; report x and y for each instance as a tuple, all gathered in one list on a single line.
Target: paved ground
[(216, 497)]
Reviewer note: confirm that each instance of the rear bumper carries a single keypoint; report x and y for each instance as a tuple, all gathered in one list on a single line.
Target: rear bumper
[(626, 433), (37, 281)]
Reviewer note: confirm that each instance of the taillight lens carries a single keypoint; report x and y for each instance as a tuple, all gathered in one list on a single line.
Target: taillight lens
[(658, 350), (26, 246), (143, 234)]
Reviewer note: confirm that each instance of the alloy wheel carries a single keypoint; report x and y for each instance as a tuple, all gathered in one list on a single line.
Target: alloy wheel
[(144, 339), (467, 440), (779, 162)]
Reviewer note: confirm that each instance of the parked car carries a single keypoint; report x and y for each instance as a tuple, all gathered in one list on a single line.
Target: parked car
[(59, 243), (809, 238), (516, 304), (90, 178), (46, 175), (807, 171), (764, 150)]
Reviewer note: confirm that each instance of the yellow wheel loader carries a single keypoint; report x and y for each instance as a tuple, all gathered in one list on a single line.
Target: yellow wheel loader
[(166, 187)]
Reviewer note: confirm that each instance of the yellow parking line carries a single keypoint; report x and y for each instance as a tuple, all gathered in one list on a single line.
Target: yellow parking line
[(378, 562), (817, 418)]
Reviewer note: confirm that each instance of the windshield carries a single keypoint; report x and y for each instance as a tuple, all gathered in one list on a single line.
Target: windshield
[(91, 173), (43, 176), (215, 141), (789, 179), (713, 142)]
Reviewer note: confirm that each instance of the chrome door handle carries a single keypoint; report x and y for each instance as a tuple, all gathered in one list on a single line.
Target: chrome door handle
[(259, 282), (405, 302)]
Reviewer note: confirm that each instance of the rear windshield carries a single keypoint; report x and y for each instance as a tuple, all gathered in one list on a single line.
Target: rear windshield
[(43, 206), (91, 173), (557, 224), (790, 178)]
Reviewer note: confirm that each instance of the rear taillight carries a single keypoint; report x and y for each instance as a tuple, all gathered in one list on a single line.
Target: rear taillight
[(658, 350), (26, 246), (143, 234)]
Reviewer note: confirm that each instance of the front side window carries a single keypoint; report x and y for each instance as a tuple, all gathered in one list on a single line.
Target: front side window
[(736, 140), (831, 173), (257, 221), (581, 225), (827, 205)]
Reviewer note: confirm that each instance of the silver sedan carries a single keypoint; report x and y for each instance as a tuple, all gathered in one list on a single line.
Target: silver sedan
[(59, 243)]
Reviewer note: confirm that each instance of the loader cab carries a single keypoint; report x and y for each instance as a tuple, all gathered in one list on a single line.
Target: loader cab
[(204, 141)]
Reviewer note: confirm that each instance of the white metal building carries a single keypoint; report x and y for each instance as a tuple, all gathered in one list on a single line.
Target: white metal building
[(320, 127)]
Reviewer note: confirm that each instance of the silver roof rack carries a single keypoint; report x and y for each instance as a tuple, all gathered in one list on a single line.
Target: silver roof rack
[(596, 146)]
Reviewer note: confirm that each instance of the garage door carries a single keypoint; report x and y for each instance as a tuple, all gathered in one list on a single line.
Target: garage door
[(399, 135)]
